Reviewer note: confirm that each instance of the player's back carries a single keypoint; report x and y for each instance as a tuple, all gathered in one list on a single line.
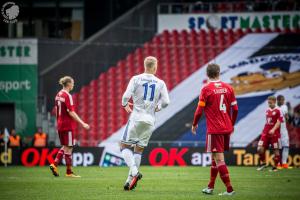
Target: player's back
[(147, 90), (64, 104), (219, 97)]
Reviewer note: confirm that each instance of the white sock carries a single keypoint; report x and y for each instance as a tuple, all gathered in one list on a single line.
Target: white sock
[(285, 155), (128, 180), (129, 160), (137, 159)]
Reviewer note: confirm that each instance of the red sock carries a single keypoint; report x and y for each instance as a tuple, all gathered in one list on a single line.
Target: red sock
[(213, 174), (224, 174), (58, 157), (68, 158), (262, 157), (276, 159)]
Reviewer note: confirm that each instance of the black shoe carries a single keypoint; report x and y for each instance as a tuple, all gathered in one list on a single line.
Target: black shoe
[(126, 186), (54, 170), (134, 181)]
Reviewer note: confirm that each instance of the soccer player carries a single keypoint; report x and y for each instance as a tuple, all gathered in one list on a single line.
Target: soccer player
[(284, 136), (218, 102), (270, 134), (149, 95), (66, 117)]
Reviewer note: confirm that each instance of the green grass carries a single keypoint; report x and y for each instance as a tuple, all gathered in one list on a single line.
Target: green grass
[(157, 183)]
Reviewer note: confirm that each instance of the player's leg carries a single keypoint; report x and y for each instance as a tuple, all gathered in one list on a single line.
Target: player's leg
[(59, 155), (213, 176), (137, 154), (276, 145), (261, 150), (68, 155), (276, 159), (213, 168), (262, 158), (285, 150), (54, 166), (285, 156), (128, 139), (224, 173), (221, 145), (143, 132), (127, 154)]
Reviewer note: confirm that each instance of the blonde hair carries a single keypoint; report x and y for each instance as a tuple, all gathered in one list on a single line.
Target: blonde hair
[(65, 80), (150, 62), (272, 98)]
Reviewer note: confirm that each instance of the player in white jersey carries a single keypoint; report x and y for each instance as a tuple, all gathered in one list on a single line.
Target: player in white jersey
[(149, 95), (283, 133)]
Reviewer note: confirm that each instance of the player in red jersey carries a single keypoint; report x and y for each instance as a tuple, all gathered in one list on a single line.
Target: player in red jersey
[(270, 134), (66, 118), (218, 102)]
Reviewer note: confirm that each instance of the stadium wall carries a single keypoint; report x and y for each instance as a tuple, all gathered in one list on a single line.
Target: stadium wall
[(102, 50), (153, 156)]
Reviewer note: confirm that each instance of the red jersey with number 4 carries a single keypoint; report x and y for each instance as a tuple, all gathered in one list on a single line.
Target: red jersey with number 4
[(217, 98), (64, 104), (272, 115)]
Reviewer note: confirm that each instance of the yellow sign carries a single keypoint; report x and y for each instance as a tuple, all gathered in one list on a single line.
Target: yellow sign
[(6, 157), (250, 159)]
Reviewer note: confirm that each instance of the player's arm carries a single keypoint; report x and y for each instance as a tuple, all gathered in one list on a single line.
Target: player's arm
[(234, 108), (234, 113), (199, 110), (278, 122), (197, 116), (127, 95), (74, 115), (164, 100), (275, 127), (70, 108)]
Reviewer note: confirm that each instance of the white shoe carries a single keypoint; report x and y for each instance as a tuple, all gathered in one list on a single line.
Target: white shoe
[(207, 190), (227, 193), (262, 167), (274, 169)]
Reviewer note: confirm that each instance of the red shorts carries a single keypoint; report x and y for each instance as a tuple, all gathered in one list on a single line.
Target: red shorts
[(66, 138), (266, 141), (217, 143)]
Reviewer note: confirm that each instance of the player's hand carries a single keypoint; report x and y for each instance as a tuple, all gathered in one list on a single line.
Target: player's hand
[(127, 108), (86, 126), (272, 131), (157, 108), (194, 129)]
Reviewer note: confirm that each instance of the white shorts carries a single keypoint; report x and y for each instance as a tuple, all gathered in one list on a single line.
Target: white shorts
[(285, 141), (137, 132)]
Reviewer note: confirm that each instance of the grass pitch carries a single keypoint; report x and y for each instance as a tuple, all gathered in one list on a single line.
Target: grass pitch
[(157, 183)]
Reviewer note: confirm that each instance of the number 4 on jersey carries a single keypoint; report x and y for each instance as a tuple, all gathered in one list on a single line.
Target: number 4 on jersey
[(222, 105)]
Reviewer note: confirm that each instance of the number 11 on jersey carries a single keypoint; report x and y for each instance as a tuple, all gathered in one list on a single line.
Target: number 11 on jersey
[(146, 85)]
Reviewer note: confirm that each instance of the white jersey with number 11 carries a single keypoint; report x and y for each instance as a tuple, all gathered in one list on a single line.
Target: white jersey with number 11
[(147, 92)]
